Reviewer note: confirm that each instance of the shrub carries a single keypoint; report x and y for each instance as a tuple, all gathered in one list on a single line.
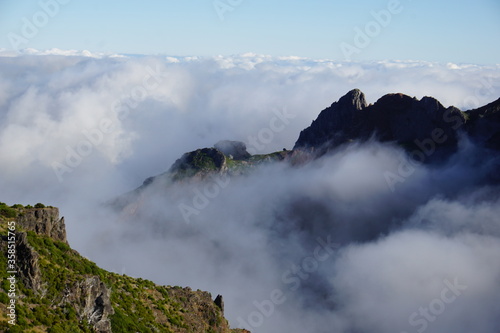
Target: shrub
[(8, 212), (39, 205)]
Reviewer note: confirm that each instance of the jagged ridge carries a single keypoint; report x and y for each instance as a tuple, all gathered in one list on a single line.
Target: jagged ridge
[(398, 118)]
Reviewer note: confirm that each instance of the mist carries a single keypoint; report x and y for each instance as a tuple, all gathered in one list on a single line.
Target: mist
[(327, 246)]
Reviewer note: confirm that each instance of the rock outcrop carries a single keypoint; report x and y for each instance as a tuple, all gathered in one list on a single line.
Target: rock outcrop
[(43, 221), (27, 263), (394, 117), (91, 299), (219, 301), (336, 124)]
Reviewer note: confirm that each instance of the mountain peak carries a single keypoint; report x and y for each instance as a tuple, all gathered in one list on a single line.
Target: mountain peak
[(394, 117), (354, 98)]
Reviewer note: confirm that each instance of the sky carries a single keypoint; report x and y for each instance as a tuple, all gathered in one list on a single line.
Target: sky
[(363, 30)]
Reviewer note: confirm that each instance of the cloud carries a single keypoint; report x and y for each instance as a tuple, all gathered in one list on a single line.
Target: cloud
[(382, 286), (78, 129)]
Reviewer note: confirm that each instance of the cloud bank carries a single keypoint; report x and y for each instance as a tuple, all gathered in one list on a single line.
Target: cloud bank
[(322, 247)]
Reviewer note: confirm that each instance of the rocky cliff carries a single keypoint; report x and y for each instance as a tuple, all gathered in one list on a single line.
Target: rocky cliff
[(397, 118), (57, 290), (44, 222)]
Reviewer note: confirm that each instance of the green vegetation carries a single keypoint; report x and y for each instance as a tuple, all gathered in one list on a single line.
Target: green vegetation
[(276, 156), (11, 212), (7, 212), (237, 165), (139, 305), (244, 165), (202, 161)]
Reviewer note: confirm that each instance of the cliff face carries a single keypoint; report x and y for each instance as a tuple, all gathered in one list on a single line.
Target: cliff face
[(57, 290), (44, 222), (91, 299)]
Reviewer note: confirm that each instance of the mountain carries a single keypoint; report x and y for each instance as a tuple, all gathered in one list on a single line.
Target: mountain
[(422, 127), (402, 119), (58, 290), (229, 158)]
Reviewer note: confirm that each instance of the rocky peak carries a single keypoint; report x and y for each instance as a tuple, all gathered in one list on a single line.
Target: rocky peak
[(353, 99), (335, 123), (394, 117)]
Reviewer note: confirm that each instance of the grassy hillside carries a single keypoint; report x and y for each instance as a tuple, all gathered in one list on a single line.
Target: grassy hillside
[(53, 292)]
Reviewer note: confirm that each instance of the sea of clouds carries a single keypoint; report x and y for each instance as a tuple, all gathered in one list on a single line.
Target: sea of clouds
[(326, 246)]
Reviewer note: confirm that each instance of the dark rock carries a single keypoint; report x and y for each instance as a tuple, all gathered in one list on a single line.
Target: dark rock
[(335, 124), (394, 117), (27, 263), (236, 149), (483, 124), (219, 302)]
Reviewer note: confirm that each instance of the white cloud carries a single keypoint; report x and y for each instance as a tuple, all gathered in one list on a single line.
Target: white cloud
[(243, 242), (381, 285)]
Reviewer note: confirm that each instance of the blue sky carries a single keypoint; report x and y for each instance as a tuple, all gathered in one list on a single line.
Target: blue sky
[(444, 31)]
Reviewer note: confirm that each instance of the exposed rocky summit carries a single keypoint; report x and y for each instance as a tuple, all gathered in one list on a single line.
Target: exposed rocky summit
[(394, 117)]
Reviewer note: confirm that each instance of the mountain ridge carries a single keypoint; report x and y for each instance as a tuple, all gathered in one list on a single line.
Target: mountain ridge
[(398, 118), (392, 118)]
